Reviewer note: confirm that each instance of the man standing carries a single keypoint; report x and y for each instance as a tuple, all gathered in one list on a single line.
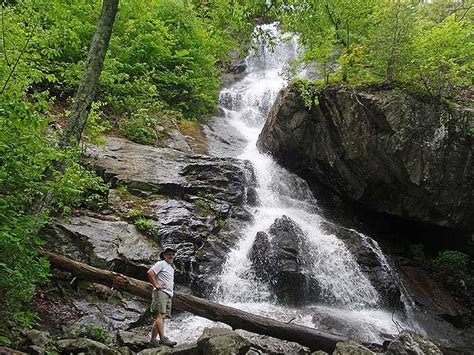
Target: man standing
[(161, 276)]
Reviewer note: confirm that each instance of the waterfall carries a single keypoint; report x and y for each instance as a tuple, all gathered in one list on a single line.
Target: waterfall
[(350, 299), (246, 106)]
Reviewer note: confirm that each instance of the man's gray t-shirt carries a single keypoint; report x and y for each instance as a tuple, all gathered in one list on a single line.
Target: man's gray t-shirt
[(165, 273)]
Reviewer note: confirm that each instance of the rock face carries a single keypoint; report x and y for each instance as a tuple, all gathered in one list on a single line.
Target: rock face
[(280, 258), (193, 202), (386, 150), (158, 197)]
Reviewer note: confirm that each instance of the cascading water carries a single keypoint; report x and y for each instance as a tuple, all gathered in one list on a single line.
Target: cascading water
[(349, 293)]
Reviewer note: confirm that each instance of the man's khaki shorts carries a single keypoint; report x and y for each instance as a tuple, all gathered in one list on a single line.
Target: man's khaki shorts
[(160, 303)]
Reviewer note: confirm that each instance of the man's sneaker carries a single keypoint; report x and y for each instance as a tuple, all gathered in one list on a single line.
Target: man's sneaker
[(166, 341), (154, 343)]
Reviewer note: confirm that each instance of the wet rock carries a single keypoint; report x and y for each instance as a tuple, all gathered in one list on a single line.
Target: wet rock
[(281, 258), (217, 341), (84, 345), (386, 150), (336, 325), (411, 343), (132, 340), (238, 67), (372, 263), (351, 348)]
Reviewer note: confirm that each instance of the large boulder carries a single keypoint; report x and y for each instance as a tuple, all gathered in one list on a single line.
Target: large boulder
[(387, 150), (411, 343), (280, 257)]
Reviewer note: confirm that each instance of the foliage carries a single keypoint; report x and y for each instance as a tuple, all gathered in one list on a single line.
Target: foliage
[(454, 269), (146, 226), (135, 214), (162, 54), (308, 91), (441, 58), (422, 46), (122, 189), (36, 180), (96, 124)]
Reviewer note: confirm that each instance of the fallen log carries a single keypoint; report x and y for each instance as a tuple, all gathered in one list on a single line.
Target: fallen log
[(237, 319)]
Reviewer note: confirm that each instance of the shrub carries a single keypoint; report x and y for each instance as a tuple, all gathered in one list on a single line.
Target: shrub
[(453, 269), (140, 128)]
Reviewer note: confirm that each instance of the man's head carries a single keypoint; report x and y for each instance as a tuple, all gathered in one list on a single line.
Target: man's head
[(168, 255)]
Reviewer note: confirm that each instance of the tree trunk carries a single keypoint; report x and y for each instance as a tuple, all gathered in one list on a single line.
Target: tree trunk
[(95, 61), (237, 319)]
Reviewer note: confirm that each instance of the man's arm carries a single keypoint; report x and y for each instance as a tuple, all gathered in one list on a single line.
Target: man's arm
[(154, 280)]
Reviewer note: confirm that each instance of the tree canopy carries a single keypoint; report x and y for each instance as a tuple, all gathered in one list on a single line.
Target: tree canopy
[(423, 46)]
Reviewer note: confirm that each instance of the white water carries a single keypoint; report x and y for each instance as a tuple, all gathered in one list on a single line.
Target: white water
[(350, 297)]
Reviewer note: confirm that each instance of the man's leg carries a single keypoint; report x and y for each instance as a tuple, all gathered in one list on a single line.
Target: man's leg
[(158, 326)]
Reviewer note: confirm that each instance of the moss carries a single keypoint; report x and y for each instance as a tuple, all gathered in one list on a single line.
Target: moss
[(194, 135)]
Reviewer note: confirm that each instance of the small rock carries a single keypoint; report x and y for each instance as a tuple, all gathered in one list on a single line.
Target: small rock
[(132, 340), (36, 337), (220, 341), (351, 348)]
